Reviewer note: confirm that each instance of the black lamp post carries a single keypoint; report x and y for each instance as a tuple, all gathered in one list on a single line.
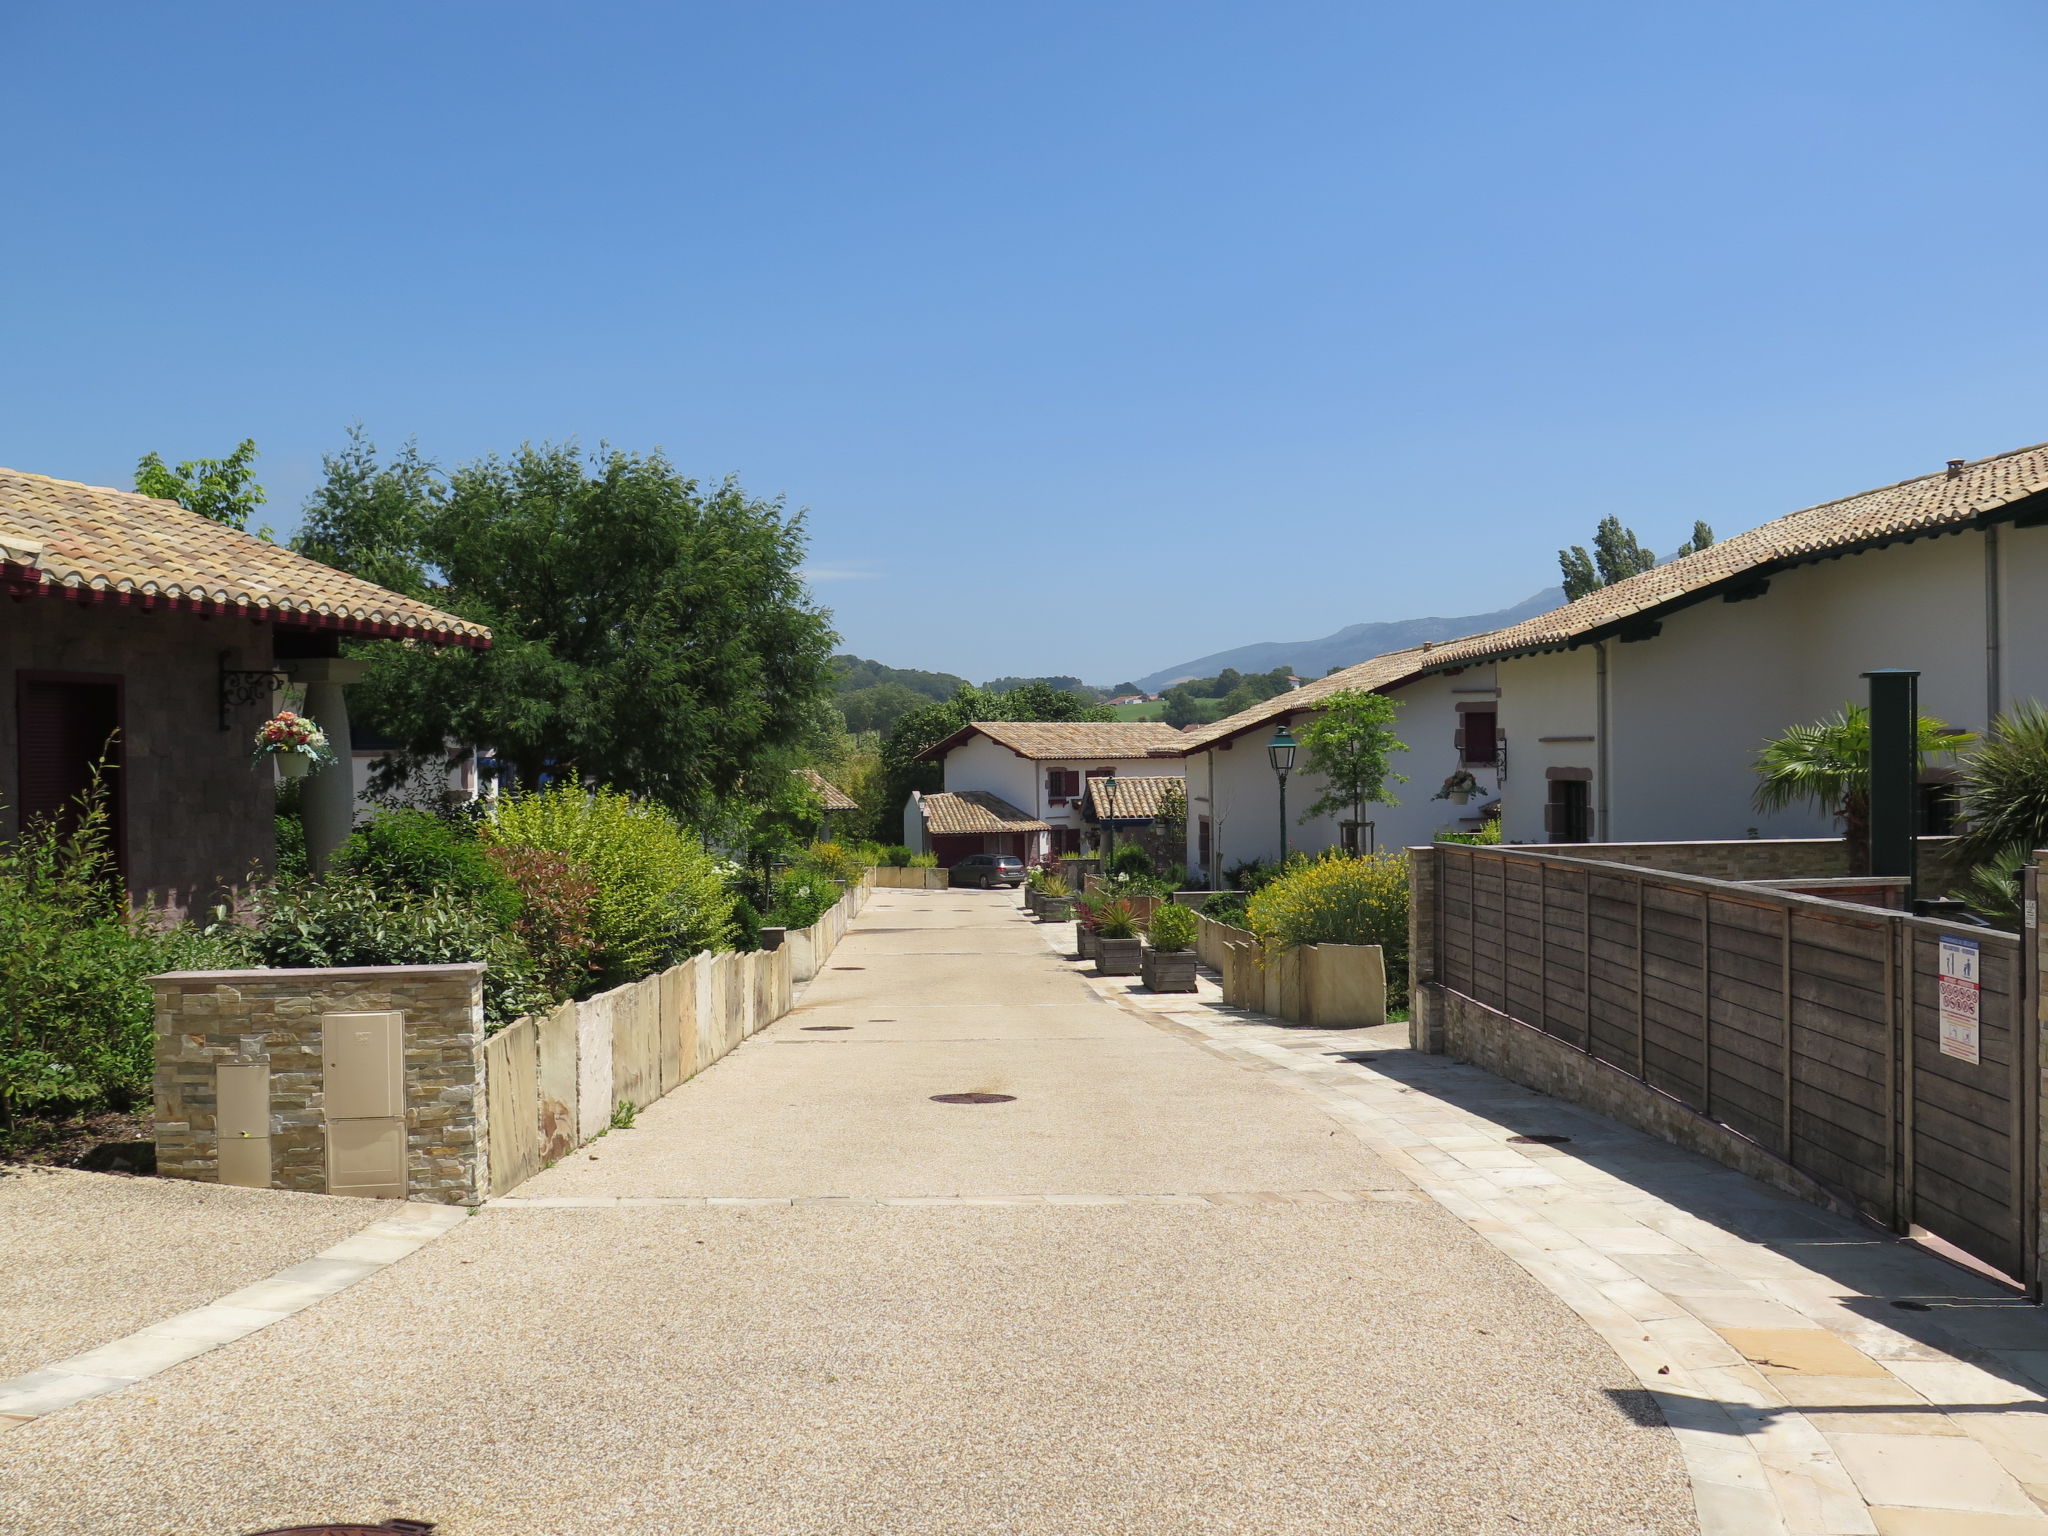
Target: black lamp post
[(1280, 753), (1106, 788)]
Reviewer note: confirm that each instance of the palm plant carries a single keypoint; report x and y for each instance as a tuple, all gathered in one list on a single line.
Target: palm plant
[(1827, 765), (2004, 800)]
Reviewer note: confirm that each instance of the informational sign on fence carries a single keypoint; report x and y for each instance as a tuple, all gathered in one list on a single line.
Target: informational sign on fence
[(1960, 998)]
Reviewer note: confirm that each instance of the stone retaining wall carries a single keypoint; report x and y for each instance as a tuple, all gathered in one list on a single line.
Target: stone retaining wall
[(273, 1020)]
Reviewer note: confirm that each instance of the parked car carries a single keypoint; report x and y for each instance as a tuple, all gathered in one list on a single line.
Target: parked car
[(989, 870)]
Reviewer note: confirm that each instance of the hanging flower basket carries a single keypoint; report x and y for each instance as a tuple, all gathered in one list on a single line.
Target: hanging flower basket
[(1459, 788), (295, 742)]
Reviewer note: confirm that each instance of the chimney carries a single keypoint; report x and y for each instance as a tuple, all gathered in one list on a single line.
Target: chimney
[(1955, 467)]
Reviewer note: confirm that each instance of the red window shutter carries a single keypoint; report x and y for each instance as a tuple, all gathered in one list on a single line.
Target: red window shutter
[(65, 730)]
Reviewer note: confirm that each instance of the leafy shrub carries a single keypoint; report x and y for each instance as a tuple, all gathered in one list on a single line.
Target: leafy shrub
[(1116, 919), (1486, 837), (1129, 859), (76, 1010), (802, 895), (1252, 875), (660, 897), (1338, 899), (419, 853), (923, 861), (1171, 928), (1991, 890), (348, 920), (1127, 884), (557, 900), (1226, 907), (895, 856), (838, 861), (1053, 886)]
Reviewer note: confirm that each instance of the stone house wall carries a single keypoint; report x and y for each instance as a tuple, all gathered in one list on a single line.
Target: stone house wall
[(197, 809)]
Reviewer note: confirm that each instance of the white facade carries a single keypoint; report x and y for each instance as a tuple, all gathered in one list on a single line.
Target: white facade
[(1663, 731), (1232, 786), (978, 763)]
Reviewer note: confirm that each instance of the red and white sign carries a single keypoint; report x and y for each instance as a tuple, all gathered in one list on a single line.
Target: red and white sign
[(1961, 996)]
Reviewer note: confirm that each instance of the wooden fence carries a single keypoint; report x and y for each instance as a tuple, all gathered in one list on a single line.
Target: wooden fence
[(552, 1083), (1811, 1027)]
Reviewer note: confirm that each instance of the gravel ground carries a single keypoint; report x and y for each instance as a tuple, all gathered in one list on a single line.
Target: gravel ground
[(816, 1370), (88, 1257), (1284, 1371)]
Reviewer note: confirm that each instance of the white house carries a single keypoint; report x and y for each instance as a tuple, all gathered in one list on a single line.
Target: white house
[(1635, 713), (1016, 786), (1448, 720)]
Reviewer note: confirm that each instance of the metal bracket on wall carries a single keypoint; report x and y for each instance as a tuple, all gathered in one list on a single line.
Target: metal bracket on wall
[(240, 686)]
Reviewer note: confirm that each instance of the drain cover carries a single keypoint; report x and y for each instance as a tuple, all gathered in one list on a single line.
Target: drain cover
[(388, 1528), (973, 1098), (828, 1026), (1538, 1141)]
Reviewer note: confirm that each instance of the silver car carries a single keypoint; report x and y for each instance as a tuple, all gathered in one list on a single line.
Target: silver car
[(989, 870)]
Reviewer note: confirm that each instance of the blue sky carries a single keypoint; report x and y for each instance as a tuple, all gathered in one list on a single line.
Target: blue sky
[(1094, 337)]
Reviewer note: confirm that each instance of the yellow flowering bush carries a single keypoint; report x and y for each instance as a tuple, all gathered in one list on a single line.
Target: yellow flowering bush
[(1338, 899)]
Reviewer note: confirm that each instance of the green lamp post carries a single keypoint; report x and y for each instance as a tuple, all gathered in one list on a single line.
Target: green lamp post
[(1280, 753), (1107, 803)]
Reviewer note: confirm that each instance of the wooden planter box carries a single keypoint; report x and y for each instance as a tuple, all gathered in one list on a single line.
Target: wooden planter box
[(1056, 909), (1030, 899), (1118, 957), (1084, 943), (1170, 971)]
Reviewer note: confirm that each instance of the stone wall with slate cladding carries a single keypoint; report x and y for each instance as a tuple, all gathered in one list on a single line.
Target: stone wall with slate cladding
[(205, 1019)]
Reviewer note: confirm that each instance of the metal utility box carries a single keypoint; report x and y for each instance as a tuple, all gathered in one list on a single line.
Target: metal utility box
[(242, 1123), (363, 1065), (363, 1079)]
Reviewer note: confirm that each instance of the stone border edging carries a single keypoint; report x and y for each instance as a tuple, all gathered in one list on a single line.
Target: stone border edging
[(1234, 1197), (140, 1355)]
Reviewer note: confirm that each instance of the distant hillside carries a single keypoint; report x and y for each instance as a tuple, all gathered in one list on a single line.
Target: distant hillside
[(1348, 647)]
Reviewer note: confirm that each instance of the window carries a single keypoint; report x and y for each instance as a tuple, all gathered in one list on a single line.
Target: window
[(1202, 842), (1938, 807), (1066, 839), (1478, 736), (1567, 817), (1062, 784)]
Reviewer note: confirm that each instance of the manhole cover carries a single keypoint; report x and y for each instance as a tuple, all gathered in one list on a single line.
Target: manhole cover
[(973, 1098), (1538, 1141), (828, 1026), (407, 1527)]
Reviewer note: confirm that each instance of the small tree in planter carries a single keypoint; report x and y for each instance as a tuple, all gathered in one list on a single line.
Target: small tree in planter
[(1118, 948), (1168, 964), (1348, 743)]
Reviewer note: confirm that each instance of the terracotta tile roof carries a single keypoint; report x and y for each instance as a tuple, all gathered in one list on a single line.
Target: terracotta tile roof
[(1927, 505), (972, 811), (1394, 667), (831, 795), (74, 539), (1076, 739), (1133, 799)]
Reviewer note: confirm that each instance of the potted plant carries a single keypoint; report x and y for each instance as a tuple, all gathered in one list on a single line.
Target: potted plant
[(1055, 901), (1087, 913), (1118, 948), (295, 742), (1458, 788), (1168, 963)]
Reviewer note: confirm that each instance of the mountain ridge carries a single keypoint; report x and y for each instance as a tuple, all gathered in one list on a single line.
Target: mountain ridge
[(1350, 645)]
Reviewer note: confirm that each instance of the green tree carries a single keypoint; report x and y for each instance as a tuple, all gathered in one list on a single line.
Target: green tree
[(1827, 765), (878, 708), (1617, 555), (1702, 538), (1348, 744), (222, 490), (651, 633)]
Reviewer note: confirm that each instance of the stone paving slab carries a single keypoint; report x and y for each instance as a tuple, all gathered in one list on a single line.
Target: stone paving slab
[(1807, 1400)]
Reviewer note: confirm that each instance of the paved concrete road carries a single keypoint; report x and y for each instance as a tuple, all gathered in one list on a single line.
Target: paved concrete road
[(1105, 1364)]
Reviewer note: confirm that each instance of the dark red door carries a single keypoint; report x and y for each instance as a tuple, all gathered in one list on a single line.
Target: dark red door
[(68, 733)]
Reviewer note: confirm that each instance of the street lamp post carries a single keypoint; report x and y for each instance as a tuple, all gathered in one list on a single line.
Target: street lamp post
[(1107, 788), (1280, 753)]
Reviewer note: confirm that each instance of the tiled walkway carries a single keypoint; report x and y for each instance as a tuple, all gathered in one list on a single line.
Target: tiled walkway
[(1823, 1378)]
